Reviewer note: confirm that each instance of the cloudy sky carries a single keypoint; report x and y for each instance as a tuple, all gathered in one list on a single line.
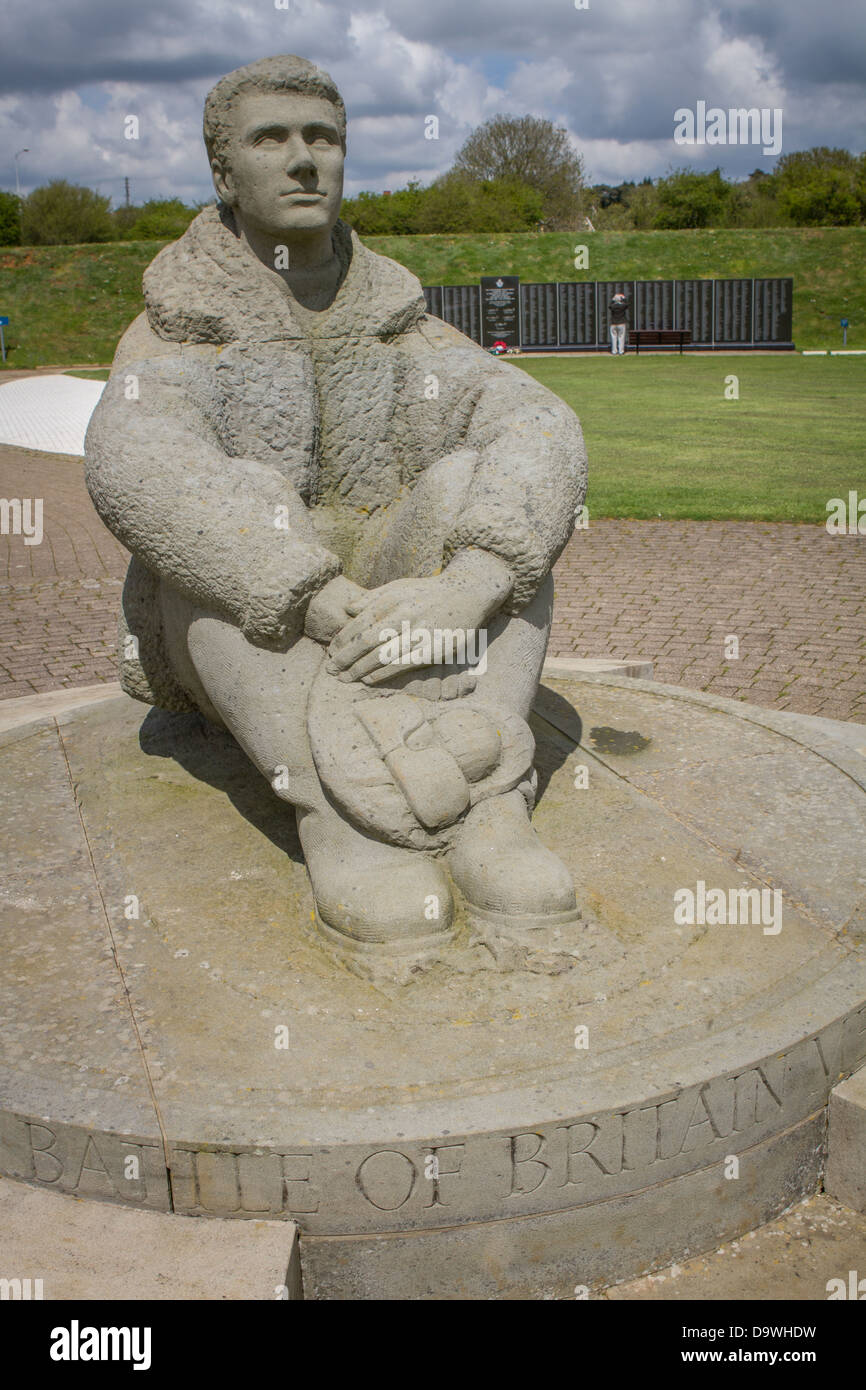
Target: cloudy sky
[(613, 74)]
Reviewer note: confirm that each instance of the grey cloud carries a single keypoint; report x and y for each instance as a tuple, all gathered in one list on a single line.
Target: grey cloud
[(813, 43), (628, 65)]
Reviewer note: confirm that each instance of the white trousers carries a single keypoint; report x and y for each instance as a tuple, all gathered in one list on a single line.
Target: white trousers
[(617, 338)]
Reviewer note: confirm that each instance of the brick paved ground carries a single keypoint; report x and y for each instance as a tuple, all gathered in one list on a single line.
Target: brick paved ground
[(673, 591), (58, 600), (668, 591)]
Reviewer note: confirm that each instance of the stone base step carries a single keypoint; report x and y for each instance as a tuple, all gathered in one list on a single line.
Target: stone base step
[(845, 1177)]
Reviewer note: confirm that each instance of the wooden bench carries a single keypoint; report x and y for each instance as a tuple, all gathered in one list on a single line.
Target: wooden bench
[(659, 337)]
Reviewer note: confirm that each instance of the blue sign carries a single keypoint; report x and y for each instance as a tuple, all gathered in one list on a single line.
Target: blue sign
[(843, 323), (3, 321)]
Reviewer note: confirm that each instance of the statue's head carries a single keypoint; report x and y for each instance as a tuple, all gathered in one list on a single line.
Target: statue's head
[(275, 133)]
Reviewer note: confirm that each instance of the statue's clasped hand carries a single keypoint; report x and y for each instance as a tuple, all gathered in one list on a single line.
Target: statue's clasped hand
[(463, 598)]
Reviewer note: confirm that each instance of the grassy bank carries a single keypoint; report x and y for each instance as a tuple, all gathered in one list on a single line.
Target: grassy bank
[(71, 303), (828, 265)]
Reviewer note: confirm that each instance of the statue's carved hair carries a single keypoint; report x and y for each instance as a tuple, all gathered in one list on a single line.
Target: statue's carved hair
[(284, 73)]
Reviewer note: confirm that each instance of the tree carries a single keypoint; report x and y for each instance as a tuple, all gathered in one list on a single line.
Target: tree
[(452, 203), (10, 219), (527, 150), (607, 195), (457, 204), (821, 187), (754, 202), (384, 214), (642, 205), (64, 214), (159, 219), (690, 199)]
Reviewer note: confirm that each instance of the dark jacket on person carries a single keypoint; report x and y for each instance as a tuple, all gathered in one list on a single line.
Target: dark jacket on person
[(618, 310)]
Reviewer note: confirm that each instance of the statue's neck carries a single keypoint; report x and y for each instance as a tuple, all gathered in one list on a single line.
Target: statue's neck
[(309, 267), (315, 287)]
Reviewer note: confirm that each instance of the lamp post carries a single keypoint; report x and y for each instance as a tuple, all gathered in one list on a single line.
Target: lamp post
[(17, 180)]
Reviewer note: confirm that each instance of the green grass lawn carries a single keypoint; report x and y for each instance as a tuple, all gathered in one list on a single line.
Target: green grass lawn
[(70, 304), (662, 439)]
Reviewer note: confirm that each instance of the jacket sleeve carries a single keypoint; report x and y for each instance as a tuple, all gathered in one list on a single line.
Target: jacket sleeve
[(528, 482), (231, 534)]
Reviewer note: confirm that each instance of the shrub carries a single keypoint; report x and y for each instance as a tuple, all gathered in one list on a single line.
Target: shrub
[(65, 214)]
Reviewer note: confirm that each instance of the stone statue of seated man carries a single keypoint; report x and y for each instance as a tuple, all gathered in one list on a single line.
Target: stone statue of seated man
[(342, 515)]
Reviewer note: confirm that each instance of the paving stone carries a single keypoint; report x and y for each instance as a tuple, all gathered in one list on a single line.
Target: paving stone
[(96, 1251), (791, 1259)]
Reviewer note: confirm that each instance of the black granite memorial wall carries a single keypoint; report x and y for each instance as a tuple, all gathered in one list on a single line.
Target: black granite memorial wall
[(773, 321), (732, 316), (577, 314), (460, 308), (539, 315), (574, 315), (693, 309), (433, 296), (653, 305)]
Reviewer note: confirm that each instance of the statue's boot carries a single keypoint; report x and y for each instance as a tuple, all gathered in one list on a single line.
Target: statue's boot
[(370, 895), (508, 880)]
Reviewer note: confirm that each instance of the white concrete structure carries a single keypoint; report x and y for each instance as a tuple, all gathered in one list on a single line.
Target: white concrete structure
[(49, 413)]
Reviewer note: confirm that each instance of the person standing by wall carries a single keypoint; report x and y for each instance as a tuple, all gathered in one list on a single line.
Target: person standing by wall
[(618, 317)]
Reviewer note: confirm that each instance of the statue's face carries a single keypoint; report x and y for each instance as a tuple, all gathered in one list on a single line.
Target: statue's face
[(283, 168)]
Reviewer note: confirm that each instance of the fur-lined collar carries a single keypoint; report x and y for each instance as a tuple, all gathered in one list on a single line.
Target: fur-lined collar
[(208, 288)]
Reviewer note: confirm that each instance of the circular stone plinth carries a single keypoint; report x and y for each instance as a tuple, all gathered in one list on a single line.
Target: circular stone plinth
[(176, 1035)]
